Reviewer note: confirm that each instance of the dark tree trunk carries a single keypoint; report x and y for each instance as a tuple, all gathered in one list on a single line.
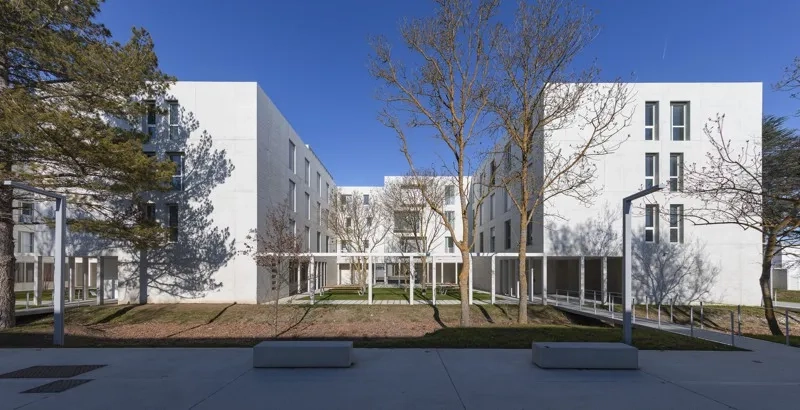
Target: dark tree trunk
[(765, 285), (523, 277), (463, 287), (7, 260), (143, 277)]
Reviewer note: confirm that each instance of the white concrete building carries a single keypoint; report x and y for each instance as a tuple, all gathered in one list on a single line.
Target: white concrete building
[(665, 131), (222, 189)]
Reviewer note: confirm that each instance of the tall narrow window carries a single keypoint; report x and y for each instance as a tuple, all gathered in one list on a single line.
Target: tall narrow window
[(319, 185), (675, 172), (348, 222), (174, 120), (366, 245), (150, 212), (451, 218), (508, 234), (481, 242), (369, 221), (308, 206), (26, 213), (328, 193), (172, 210), (319, 242), (506, 201), (480, 215), (491, 239), (448, 244), (293, 226), (292, 196), (507, 158), (651, 223), (319, 212), (308, 238), (327, 244), (292, 156), (308, 172), (491, 206), (449, 195), (651, 121), (25, 242), (177, 177), (493, 173), (680, 116), (366, 199), (150, 121), (650, 170), (676, 223), (529, 234)]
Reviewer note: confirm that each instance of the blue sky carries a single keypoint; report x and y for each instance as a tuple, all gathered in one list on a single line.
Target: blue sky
[(311, 56)]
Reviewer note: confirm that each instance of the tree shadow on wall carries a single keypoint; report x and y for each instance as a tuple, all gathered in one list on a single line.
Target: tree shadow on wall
[(597, 236)]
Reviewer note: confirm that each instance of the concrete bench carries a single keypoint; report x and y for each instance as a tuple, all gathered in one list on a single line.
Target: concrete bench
[(296, 353), (583, 355)]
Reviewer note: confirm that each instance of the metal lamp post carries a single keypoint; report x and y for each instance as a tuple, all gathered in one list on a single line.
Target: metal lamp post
[(58, 287), (626, 261)]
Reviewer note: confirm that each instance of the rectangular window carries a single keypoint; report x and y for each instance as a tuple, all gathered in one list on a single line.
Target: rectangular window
[(292, 196), (369, 221), (308, 172), (491, 239), (150, 121), (680, 117), (293, 227), (651, 121), (651, 223), (348, 222), (319, 185), (328, 192), (172, 210), (451, 218), (308, 238), (493, 171), (25, 242), (507, 158), (508, 234), (449, 195), (481, 242), (177, 177), (480, 215), (491, 206), (174, 120), (366, 244), (650, 170), (319, 242), (366, 199), (676, 223), (345, 246), (675, 172), (308, 206), (506, 201), (26, 213), (529, 234), (150, 212), (319, 212), (327, 243), (448, 244), (292, 156)]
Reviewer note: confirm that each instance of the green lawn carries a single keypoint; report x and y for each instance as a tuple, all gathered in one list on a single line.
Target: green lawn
[(793, 340), (522, 337), (792, 296), (396, 294), (47, 295)]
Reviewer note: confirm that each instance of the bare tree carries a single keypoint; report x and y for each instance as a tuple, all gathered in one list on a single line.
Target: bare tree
[(416, 227), (278, 249), (360, 225), (753, 186), (678, 272), (538, 93), (443, 86)]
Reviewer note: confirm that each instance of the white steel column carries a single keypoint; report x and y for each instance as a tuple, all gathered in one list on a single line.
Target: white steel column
[(582, 281), (493, 279), (85, 273), (37, 281), (531, 281), (470, 278), (411, 280), (544, 279), (604, 281), (433, 287), (312, 271), (71, 279), (299, 266), (369, 280), (385, 274)]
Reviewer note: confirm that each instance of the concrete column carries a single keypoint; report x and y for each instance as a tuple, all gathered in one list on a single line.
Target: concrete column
[(531, 280), (308, 276), (385, 274), (71, 262), (433, 284), (457, 272), (544, 280), (37, 281), (604, 281), (470, 278), (493, 279), (299, 266), (582, 281), (100, 281), (411, 280), (85, 273), (369, 280)]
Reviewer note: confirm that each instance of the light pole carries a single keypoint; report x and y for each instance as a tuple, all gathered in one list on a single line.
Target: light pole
[(58, 287), (627, 292)]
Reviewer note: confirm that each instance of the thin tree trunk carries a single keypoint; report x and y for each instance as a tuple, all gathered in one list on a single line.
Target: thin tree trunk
[(764, 282), (463, 287), (143, 277), (7, 260), (523, 277)]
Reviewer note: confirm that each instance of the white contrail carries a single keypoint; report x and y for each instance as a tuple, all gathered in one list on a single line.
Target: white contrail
[(664, 53)]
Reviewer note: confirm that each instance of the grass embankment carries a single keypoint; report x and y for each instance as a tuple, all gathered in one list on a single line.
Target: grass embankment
[(395, 294), (204, 325)]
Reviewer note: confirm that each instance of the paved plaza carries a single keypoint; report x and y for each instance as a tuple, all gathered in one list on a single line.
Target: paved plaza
[(178, 378)]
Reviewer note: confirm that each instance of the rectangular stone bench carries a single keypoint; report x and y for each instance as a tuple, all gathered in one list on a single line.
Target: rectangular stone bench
[(585, 355), (303, 353)]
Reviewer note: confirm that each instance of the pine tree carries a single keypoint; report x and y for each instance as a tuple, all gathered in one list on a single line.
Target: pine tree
[(69, 116)]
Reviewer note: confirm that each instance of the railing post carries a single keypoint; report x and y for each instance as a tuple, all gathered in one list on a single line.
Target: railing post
[(739, 319), (691, 321), (594, 298), (701, 315), (568, 297), (671, 316), (612, 307), (27, 300), (646, 308), (633, 310), (733, 340), (786, 314), (659, 316)]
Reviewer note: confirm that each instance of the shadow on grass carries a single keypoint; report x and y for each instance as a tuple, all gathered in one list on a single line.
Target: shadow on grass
[(208, 322)]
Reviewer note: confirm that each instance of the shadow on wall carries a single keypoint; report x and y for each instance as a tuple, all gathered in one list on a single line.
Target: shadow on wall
[(597, 236)]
